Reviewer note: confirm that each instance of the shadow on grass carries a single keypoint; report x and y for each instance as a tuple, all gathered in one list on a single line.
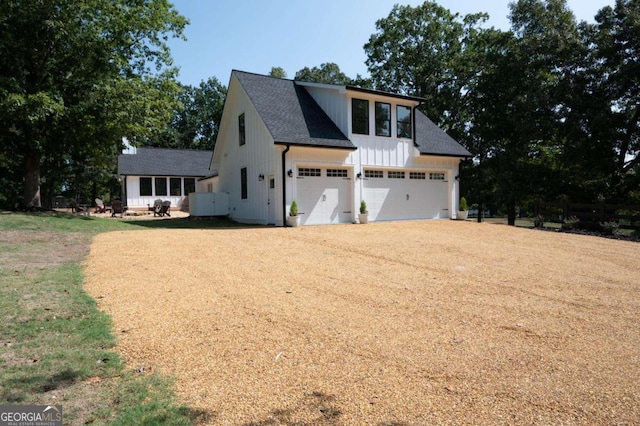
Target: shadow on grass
[(191, 223)]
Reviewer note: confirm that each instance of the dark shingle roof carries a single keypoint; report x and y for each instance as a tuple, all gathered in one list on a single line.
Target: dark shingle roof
[(432, 140), (290, 113), (165, 162)]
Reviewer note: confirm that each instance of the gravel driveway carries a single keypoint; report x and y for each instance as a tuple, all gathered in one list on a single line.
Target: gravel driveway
[(407, 323)]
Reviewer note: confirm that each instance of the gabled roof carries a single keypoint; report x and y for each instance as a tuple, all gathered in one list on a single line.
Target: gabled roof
[(165, 162), (291, 115), (432, 140)]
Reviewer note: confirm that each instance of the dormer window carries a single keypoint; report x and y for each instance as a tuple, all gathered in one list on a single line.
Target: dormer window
[(383, 119), (403, 114), (360, 116)]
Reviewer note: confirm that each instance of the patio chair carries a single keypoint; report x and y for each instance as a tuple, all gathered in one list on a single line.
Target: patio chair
[(100, 207), (165, 208), (157, 207), (117, 208)]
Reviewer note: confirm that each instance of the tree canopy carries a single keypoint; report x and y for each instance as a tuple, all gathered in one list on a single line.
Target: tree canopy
[(549, 108), (75, 77)]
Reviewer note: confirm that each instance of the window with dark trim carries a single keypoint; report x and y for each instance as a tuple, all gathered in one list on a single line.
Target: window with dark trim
[(395, 175), (175, 186), (417, 175), (383, 119), (241, 130), (305, 171), (403, 115), (243, 182), (189, 185), (145, 187), (161, 186), (376, 174), (360, 116), (337, 173), (436, 176)]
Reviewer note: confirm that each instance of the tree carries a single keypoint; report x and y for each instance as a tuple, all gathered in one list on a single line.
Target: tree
[(278, 72), (78, 75), (196, 120), (328, 73)]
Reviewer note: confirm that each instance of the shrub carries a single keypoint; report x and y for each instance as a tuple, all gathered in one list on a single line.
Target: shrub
[(463, 204), (363, 207), (609, 227), (538, 221), (570, 223), (293, 211)]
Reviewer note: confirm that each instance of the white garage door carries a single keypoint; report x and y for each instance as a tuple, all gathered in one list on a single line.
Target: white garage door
[(401, 195), (323, 195)]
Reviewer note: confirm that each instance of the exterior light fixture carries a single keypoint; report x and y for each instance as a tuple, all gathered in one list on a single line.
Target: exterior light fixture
[(290, 173), (260, 177), (359, 175)]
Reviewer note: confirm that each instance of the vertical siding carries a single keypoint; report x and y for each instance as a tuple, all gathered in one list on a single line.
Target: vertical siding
[(334, 105), (259, 155)]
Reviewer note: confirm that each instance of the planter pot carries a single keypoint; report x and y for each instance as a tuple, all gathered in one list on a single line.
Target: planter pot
[(293, 221), (462, 215), (363, 218)]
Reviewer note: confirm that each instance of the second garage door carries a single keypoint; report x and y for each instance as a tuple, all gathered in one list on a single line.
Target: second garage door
[(402, 195), (324, 195)]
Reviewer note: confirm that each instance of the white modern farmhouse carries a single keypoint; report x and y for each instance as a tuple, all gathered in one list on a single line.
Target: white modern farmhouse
[(328, 147)]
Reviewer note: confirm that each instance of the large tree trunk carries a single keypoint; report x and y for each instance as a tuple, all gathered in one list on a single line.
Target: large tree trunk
[(32, 181)]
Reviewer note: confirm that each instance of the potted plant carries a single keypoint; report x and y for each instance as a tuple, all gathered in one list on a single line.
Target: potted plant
[(462, 210), (294, 219), (363, 217)]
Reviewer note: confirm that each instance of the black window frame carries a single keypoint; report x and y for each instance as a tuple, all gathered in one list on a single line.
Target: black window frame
[(380, 121), (172, 182), (148, 181), (242, 133), (403, 127), (164, 193), (358, 119), (189, 185), (244, 190)]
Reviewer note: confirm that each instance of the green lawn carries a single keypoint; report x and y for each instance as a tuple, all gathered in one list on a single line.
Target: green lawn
[(56, 347)]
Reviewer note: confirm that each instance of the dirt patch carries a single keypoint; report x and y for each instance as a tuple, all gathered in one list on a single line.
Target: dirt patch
[(25, 251), (425, 322)]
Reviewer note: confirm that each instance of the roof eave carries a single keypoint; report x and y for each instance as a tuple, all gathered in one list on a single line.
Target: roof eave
[(350, 148), (387, 94)]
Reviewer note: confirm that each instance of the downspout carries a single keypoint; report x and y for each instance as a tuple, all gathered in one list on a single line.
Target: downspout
[(284, 186)]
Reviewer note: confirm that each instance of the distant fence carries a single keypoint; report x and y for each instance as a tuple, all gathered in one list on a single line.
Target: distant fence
[(626, 216)]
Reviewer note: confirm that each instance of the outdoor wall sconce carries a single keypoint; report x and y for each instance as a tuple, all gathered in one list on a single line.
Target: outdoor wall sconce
[(260, 177), (457, 177), (359, 175), (290, 173)]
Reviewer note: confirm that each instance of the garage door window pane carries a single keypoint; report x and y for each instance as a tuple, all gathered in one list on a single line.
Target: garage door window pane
[(337, 173), (436, 176), (175, 186), (376, 174), (396, 175), (308, 172), (417, 175), (161, 186)]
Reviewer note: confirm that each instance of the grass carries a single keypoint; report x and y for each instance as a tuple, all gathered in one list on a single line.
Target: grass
[(56, 347)]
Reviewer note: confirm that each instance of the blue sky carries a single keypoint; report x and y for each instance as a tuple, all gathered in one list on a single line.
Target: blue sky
[(255, 35)]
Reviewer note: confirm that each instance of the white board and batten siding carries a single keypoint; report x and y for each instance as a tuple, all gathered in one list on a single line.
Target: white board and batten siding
[(258, 155)]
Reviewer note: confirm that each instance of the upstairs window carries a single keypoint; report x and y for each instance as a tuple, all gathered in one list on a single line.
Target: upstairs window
[(241, 129), (383, 119), (360, 116), (403, 114)]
